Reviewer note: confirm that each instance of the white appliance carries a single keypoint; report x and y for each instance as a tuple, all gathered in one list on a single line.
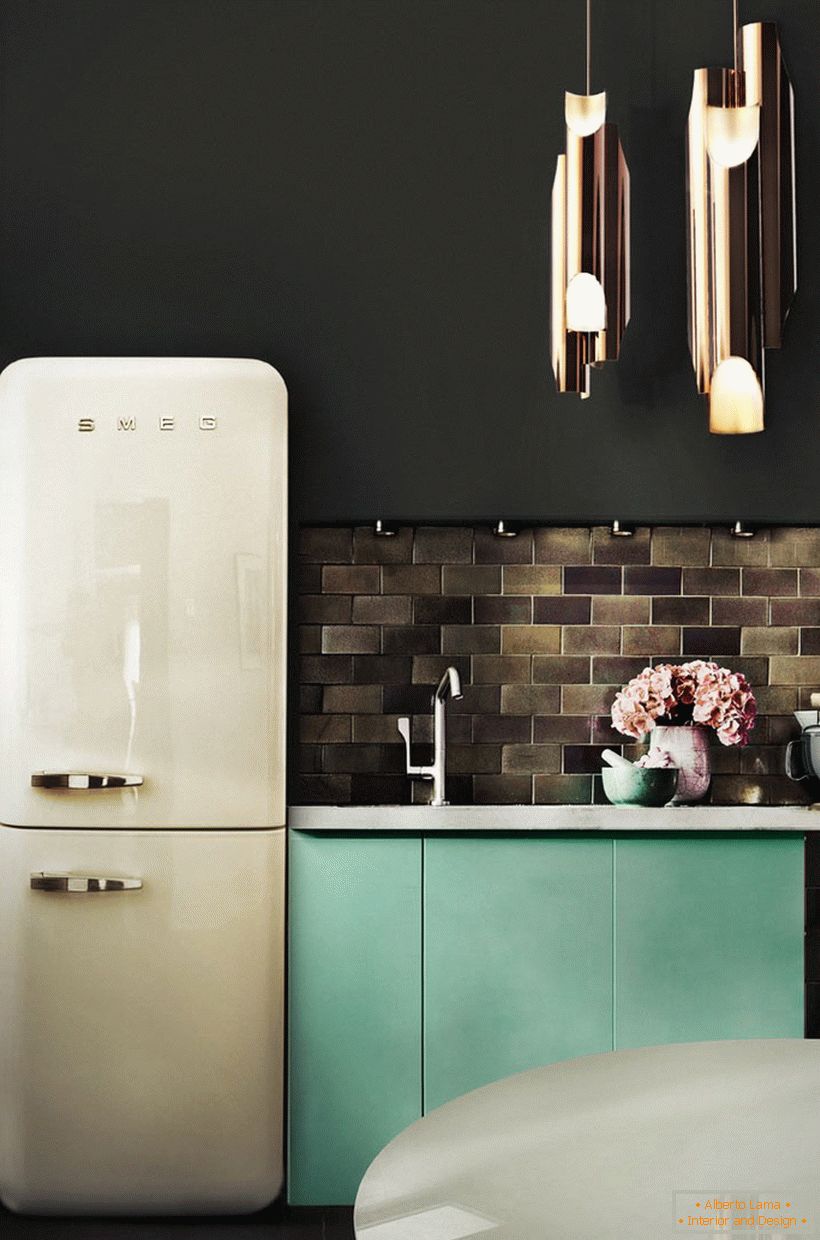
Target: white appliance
[(143, 519)]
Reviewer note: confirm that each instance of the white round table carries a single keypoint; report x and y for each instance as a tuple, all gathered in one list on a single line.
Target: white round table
[(651, 1144)]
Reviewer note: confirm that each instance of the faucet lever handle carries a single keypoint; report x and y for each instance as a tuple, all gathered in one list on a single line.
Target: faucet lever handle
[(403, 725)]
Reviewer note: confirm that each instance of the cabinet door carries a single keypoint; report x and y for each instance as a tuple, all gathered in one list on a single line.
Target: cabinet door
[(354, 1009), (517, 956), (709, 938)]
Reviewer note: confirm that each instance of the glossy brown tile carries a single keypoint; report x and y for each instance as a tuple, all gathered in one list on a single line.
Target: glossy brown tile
[(326, 669), (680, 609), (744, 610), (375, 729), (504, 608), (652, 580), (324, 608), (620, 609), (531, 579), (799, 670), (616, 670), (561, 609), (503, 669), (773, 582), (471, 639), (801, 611), (474, 759), (651, 639), (351, 579), (471, 579), (587, 699), (409, 699), (711, 640), (351, 639), (352, 699), (380, 608), (560, 669), (712, 581), (530, 699), (410, 579), (591, 639), (531, 639), (502, 729), (592, 579), (771, 640), (442, 609), (384, 669), (561, 729), (535, 759), (411, 639), (327, 729)]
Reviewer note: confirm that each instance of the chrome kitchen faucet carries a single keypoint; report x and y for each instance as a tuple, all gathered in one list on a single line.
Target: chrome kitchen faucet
[(448, 687)]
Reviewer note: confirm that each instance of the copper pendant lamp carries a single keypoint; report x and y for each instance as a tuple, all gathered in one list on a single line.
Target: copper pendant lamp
[(741, 218), (590, 240)]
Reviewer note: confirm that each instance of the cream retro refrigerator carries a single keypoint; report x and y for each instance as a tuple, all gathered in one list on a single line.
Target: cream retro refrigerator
[(142, 715)]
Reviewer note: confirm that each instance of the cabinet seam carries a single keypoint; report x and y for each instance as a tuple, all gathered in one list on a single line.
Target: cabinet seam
[(613, 937)]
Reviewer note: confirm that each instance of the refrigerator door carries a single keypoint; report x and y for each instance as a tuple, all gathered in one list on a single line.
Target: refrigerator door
[(142, 616), (141, 1027)]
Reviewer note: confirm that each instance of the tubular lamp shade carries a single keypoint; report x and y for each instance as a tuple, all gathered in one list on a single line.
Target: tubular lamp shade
[(584, 113), (586, 304), (735, 399), (732, 134)]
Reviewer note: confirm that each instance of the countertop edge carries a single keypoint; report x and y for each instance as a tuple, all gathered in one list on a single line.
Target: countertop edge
[(425, 818)]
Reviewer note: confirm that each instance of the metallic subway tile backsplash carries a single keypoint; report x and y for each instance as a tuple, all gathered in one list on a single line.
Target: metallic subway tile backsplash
[(544, 628)]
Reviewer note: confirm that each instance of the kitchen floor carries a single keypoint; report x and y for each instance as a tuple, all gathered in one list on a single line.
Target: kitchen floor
[(277, 1223)]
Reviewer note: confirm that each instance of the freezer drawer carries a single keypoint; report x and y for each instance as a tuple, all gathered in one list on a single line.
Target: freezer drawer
[(141, 1020)]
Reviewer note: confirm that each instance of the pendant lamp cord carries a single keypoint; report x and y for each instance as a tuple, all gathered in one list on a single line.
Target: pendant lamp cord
[(734, 29), (589, 44)]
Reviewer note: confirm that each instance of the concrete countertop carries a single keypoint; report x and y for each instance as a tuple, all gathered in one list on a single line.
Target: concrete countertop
[(426, 818)]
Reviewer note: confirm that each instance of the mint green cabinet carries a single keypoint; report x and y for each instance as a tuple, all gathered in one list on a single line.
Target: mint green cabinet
[(354, 1013), (422, 967), (708, 938), (517, 956)]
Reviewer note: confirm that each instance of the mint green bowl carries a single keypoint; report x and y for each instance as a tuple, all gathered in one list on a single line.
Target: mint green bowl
[(651, 786)]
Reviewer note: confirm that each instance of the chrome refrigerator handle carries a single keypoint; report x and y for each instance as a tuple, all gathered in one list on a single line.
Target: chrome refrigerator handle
[(83, 884), (83, 781)]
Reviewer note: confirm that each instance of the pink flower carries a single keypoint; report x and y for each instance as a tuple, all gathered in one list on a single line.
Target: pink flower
[(699, 692)]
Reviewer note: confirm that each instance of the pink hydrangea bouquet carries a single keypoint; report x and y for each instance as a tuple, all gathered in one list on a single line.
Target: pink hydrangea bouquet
[(687, 693)]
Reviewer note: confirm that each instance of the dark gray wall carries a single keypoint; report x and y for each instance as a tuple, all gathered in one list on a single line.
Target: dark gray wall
[(357, 191)]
